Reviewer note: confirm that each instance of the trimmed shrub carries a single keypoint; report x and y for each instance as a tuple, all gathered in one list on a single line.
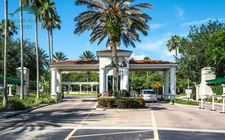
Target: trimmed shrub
[(127, 102), (16, 104)]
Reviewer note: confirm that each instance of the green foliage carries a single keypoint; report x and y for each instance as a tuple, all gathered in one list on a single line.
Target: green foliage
[(15, 103), (194, 49), (120, 94), (215, 52), (127, 102), (218, 89), (60, 56)]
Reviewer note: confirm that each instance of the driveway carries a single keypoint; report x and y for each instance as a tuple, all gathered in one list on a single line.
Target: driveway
[(75, 118)]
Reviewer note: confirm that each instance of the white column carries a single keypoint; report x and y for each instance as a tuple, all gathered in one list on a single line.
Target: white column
[(91, 88), (80, 88), (102, 80), (53, 83), (125, 79), (172, 83), (223, 96), (68, 88), (166, 84), (58, 81), (10, 90)]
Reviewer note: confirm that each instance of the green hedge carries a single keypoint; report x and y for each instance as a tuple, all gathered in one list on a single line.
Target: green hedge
[(14, 103), (218, 89), (127, 102)]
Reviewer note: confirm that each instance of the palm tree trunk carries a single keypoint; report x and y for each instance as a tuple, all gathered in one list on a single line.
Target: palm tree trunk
[(37, 57), (51, 44), (49, 48), (21, 46), (5, 101), (115, 72)]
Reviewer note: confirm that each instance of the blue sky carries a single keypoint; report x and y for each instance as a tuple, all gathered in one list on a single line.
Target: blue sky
[(169, 17)]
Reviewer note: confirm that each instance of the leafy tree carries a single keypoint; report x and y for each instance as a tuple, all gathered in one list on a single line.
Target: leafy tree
[(193, 51), (174, 44), (146, 58), (11, 29), (60, 56), (115, 20), (216, 52)]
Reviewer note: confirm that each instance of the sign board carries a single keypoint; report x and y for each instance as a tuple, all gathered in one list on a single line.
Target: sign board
[(104, 94), (157, 84), (188, 91)]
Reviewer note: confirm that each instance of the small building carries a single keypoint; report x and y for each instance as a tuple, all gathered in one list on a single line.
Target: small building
[(102, 65)]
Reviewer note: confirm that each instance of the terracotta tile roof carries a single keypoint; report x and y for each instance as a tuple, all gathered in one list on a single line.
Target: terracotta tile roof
[(117, 50), (150, 62), (73, 62)]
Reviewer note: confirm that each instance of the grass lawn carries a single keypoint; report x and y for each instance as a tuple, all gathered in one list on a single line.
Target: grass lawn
[(185, 102), (80, 94), (181, 94)]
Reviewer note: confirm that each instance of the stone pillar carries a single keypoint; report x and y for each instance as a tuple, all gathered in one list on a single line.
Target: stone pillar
[(206, 74), (172, 83), (53, 83), (10, 90), (80, 88), (166, 84), (26, 81), (125, 79), (102, 80), (91, 88)]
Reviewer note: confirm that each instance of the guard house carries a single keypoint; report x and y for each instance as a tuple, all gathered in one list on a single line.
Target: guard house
[(102, 65)]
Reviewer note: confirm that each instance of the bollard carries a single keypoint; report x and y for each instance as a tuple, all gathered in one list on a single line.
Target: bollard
[(223, 96), (201, 106), (213, 103)]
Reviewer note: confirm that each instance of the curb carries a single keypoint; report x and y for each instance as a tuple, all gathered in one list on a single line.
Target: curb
[(25, 111)]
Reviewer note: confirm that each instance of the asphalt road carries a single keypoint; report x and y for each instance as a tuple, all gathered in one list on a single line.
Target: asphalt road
[(75, 119)]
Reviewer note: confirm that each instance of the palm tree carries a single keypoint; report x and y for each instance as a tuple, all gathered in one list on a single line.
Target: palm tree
[(47, 13), (11, 28), (174, 44), (87, 55), (54, 24), (5, 101), (36, 4), (60, 56), (115, 20), (21, 46)]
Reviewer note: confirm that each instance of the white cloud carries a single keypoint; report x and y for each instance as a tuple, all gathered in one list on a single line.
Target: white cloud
[(180, 11), (137, 57), (197, 22), (156, 43), (157, 26)]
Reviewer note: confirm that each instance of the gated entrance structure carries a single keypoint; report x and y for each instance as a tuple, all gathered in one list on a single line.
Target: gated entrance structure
[(102, 65)]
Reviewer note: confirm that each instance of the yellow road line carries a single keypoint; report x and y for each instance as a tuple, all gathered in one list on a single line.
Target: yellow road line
[(156, 135), (116, 133), (71, 133)]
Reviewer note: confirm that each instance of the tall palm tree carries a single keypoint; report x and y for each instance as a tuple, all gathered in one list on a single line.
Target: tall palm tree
[(115, 20), (47, 13), (174, 43), (5, 101), (36, 4), (87, 55), (60, 56), (21, 46), (54, 24)]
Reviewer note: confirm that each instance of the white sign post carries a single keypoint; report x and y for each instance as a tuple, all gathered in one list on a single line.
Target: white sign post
[(188, 92), (223, 96), (201, 106)]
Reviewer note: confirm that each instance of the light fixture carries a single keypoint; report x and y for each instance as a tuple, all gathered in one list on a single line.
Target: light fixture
[(112, 64), (124, 64)]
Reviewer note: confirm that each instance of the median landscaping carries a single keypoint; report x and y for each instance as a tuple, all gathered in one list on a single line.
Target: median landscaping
[(15, 103)]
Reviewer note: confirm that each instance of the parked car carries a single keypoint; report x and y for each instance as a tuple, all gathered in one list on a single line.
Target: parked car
[(148, 95)]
